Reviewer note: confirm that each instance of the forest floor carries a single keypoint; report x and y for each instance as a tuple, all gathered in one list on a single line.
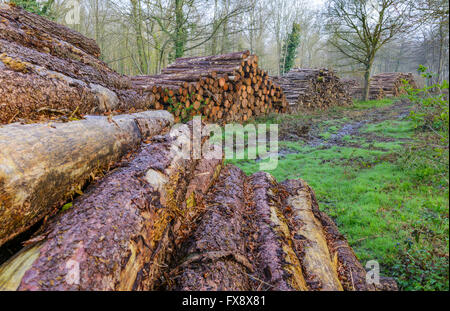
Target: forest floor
[(367, 172)]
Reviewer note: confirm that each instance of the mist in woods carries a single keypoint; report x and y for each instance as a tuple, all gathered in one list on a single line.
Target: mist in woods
[(144, 36)]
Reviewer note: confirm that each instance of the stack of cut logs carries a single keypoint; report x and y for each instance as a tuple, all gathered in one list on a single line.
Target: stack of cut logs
[(353, 87), (387, 84), (50, 71), (160, 220), (222, 88), (119, 203), (313, 89)]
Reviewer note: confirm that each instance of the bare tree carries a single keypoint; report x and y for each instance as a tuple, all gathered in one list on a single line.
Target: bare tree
[(359, 28)]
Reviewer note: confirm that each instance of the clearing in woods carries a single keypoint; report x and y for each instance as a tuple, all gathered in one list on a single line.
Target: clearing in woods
[(361, 162)]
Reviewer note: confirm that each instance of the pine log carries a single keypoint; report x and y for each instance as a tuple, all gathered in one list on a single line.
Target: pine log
[(27, 91), (309, 239), (351, 274), (277, 263), (72, 68), (29, 20), (42, 165), (214, 258)]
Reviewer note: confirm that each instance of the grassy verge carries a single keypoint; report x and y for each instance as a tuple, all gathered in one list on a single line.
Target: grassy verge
[(386, 197)]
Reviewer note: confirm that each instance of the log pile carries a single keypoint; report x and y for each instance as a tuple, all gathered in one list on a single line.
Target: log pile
[(164, 220), (382, 85), (353, 87), (313, 89), (48, 71), (172, 230), (43, 165), (389, 84), (222, 88)]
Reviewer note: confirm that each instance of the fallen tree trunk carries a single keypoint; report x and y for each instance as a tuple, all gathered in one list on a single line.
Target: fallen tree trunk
[(118, 246), (214, 258), (42, 165), (277, 263), (72, 68), (309, 239), (29, 92)]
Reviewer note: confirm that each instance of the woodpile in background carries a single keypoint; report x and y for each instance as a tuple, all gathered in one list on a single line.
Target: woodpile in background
[(223, 88), (48, 71), (389, 84), (313, 89), (353, 87), (382, 85)]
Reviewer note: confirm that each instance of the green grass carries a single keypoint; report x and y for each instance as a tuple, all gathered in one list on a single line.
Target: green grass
[(361, 104), (391, 128), (389, 212)]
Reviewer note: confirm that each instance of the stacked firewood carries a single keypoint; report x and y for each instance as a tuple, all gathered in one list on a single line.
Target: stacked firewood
[(353, 87), (222, 88), (50, 71), (313, 89), (382, 85), (389, 84)]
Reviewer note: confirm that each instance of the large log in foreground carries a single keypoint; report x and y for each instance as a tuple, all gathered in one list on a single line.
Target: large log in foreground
[(257, 234), (214, 258), (313, 89), (48, 72), (115, 236), (42, 165), (33, 21), (387, 84), (223, 88)]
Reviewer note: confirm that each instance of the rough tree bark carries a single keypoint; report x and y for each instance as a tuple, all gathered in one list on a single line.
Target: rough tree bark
[(42, 165), (115, 237)]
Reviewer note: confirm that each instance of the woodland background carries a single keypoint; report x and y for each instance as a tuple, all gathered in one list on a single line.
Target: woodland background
[(144, 36)]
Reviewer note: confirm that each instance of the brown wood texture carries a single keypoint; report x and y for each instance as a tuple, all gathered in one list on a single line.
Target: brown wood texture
[(42, 165), (313, 89), (116, 235)]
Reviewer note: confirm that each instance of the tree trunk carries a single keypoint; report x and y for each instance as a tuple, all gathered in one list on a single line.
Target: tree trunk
[(122, 245), (41, 25), (43, 165), (366, 82), (214, 258), (180, 31)]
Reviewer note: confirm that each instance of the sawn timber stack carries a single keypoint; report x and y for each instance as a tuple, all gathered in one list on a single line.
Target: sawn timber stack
[(48, 71), (312, 89), (222, 88)]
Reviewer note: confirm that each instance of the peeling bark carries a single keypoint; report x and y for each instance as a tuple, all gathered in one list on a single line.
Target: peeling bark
[(309, 239), (214, 258), (350, 271)]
